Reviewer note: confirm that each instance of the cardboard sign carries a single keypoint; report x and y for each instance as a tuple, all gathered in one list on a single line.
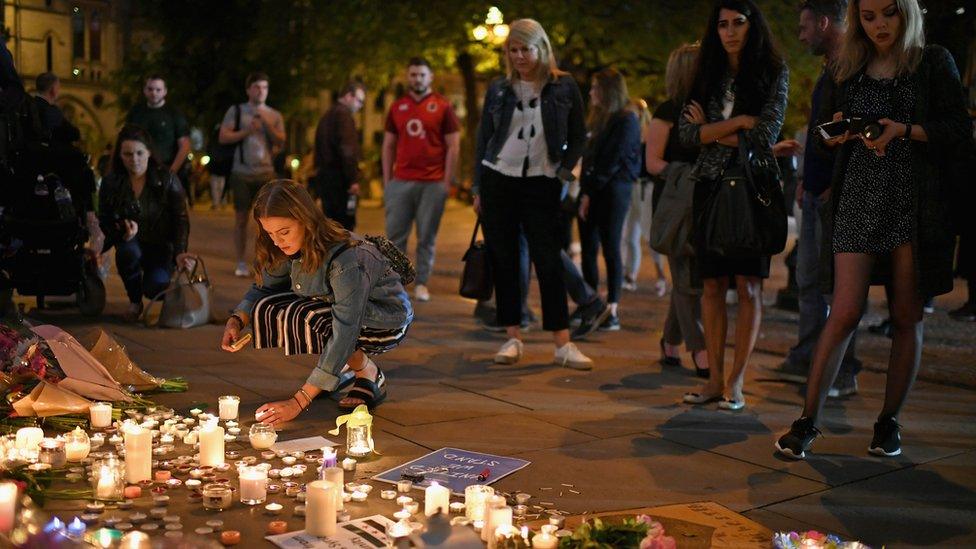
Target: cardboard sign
[(455, 468)]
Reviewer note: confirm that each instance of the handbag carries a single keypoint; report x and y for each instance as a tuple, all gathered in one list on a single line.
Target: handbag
[(187, 302), (477, 281), (671, 221), (745, 213)]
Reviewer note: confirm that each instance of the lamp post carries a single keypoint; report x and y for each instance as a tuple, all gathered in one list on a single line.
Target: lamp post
[(494, 30)]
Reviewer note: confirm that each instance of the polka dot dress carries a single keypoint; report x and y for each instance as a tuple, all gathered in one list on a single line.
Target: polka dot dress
[(876, 203)]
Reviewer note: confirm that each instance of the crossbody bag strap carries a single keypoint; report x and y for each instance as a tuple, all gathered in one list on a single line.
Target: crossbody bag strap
[(746, 160)]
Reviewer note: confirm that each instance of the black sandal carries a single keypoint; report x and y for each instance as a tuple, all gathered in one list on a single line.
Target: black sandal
[(668, 360), (371, 393)]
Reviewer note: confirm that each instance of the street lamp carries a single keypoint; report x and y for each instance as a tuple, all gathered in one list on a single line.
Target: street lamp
[(494, 30)]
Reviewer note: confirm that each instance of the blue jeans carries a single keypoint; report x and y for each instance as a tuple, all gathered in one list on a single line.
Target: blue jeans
[(813, 304), (145, 268), (603, 227), (420, 202)]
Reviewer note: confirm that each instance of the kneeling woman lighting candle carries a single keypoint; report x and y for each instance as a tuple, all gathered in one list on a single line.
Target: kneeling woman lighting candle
[(323, 290)]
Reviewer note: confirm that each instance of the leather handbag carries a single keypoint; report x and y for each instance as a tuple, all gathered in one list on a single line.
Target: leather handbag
[(745, 213), (671, 222), (187, 302), (477, 281)]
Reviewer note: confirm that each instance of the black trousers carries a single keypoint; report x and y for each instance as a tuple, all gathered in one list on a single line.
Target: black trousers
[(532, 203), (604, 227), (334, 193)]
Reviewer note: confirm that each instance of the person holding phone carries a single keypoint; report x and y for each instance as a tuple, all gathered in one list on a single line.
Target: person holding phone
[(888, 206)]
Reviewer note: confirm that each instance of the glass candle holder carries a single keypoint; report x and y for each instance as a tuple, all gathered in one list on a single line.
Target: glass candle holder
[(108, 478), (254, 485), (359, 440), (101, 415), (77, 445), (475, 499), (217, 496), (262, 436), (51, 451), (227, 406)]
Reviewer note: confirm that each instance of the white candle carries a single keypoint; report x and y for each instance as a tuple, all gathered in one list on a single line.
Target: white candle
[(545, 539), (437, 499), (106, 483), (138, 454), (263, 441), (29, 438), (101, 414), (77, 450), (8, 505), (494, 502), (211, 444), (254, 485), (334, 475), (320, 508), (228, 406), (499, 520)]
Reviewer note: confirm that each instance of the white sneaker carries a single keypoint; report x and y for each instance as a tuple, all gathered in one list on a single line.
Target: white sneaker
[(571, 357), (242, 270), (421, 293), (510, 352)]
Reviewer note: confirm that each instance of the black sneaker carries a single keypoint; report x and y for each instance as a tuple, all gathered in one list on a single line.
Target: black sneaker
[(576, 318), (966, 313), (789, 371), (598, 311), (611, 324), (798, 440), (887, 437)]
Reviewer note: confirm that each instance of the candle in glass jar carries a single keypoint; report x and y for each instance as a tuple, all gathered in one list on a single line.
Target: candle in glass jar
[(228, 405), (492, 503), (475, 498), (8, 505), (262, 436), (211, 444), (29, 438), (77, 445), (320, 508), (105, 487), (545, 539), (101, 415), (254, 485), (138, 454), (437, 499)]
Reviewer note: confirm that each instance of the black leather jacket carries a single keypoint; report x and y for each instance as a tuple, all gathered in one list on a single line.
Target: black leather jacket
[(562, 121), (164, 220)]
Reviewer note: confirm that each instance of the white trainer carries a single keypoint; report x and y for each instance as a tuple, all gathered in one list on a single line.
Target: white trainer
[(571, 357), (421, 293), (242, 270), (510, 352)]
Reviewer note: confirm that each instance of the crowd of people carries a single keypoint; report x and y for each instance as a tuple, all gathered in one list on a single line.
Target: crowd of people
[(879, 176)]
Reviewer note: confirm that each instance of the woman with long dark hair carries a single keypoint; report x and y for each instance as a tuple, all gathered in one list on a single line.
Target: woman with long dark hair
[(888, 200), (611, 164), (531, 136), (142, 211), (739, 91)]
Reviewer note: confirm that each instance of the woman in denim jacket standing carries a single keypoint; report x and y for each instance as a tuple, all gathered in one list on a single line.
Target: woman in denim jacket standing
[(322, 291), (531, 135)]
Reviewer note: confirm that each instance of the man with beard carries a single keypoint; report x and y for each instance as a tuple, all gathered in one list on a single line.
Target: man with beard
[(420, 153), (168, 128), (337, 156), (821, 30)]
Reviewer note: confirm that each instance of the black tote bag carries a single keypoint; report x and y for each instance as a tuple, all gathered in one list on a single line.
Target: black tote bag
[(745, 214), (476, 277)]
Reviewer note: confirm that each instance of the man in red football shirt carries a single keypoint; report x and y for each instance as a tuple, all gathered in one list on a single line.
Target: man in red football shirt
[(420, 153)]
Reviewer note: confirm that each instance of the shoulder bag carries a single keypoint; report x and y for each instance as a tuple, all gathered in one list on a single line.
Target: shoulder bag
[(477, 281), (187, 302)]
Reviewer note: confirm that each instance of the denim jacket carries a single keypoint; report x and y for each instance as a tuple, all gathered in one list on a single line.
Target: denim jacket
[(562, 121), (365, 292)]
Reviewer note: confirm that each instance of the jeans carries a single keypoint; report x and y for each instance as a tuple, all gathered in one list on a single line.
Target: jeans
[(145, 268), (604, 227), (420, 202), (511, 205), (636, 225), (813, 304)]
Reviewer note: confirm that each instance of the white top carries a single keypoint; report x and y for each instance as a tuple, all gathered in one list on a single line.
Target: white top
[(728, 101), (524, 153)]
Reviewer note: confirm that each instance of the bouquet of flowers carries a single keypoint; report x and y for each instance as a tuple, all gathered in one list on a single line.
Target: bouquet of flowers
[(813, 539), (641, 532), (26, 357)]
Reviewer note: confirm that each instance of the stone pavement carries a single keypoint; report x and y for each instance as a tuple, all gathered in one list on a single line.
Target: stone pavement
[(619, 432)]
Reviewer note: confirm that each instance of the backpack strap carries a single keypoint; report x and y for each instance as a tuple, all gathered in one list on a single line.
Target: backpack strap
[(237, 128)]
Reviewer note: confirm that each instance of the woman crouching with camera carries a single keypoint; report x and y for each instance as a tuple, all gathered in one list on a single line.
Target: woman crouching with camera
[(142, 211)]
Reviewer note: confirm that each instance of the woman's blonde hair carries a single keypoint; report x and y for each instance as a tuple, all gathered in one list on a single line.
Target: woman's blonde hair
[(680, 72), (531, 33), (285, 198), (612, 90), (857, 49)]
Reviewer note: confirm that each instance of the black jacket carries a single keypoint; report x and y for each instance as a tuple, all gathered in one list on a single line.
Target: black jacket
[(165, 221), (562, 121), (940, 109), (612, 155)]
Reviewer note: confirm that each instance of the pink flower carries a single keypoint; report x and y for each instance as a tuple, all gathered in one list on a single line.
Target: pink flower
[(814, 535), (659, 542)]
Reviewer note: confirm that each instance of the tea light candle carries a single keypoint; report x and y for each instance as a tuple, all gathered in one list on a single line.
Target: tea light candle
[(230, 537), (161, 501), (174, 483), (211, 444), (189, 421), (132, 492), (94, 507), (96, 440), (398, 530), (193, 483), (167, 439), (359, 496), (158, 512), (137, 517), (195, 412), (204, 531), (228, 405), (288, 460), (320, 515), (267, 454), (403, 500), (404, 486), (365, 488), (388, 494), (349, 464), (116, 439), (413, 507), (76, 528), (277, 527), (230, 438), (216, 524), (300, 510), (457, 507), (545, 539), (234, 431), (437, 499), (402, 514), (100, 415), (126, 504), (328, 457), (273, 508), (163, 476), (29, 438)]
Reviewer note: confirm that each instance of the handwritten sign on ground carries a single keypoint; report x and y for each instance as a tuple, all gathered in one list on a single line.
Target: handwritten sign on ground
[(302, 444), (364, 532), (455, 468)]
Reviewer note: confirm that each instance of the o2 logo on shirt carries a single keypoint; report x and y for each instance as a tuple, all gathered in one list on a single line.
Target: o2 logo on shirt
[(431, 107), (415, 128)]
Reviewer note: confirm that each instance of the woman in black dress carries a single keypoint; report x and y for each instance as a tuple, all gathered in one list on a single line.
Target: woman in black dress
[(740, 85), (887, 202)]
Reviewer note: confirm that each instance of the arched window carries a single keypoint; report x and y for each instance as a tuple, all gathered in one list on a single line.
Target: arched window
[(95, 36), (77, 33), (49, 53)]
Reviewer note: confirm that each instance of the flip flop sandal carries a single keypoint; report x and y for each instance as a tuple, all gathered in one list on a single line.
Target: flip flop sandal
[(371, 393)]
